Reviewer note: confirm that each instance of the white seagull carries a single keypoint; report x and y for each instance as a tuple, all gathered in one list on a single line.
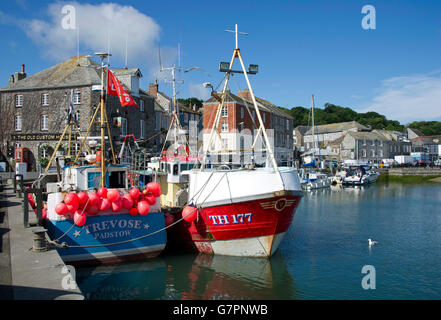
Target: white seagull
[(372, 243)]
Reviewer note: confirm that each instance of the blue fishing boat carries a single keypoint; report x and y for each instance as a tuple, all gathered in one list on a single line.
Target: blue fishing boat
[(93, 216)]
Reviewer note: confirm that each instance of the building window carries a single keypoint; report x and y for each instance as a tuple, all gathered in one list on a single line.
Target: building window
[(225, 112), (287, 140), (242, 113), (18, 100), (380, 153), (45, 99), (363, 153), (17, 123), (372, 142), (380, 143), (264, 117), (77, 117), (287, 124), (123, 127), (364, 142), (372, 153), (77, 97), (44, 122), (254, 115), (224, 127), (141, 128), (225, 143), (141, 105)]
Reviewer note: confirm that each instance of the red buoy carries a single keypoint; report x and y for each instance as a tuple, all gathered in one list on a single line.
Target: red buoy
[(190, 214), (102, 192), (80, 218), (154, 188), (113, 195), (143, 207), (61, 209)]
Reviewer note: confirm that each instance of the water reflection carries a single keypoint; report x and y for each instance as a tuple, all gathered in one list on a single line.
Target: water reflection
[(196, 277)]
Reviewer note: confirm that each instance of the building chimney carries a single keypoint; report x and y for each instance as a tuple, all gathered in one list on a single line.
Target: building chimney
[(19, 75), (11, 79), (245, 94), (153, 89)]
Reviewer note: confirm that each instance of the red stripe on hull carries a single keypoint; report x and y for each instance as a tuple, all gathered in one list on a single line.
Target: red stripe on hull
[(249, 219)]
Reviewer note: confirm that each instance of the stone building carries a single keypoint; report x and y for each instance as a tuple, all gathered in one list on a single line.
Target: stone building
[(163, 110), (34, 108), (372, 146)]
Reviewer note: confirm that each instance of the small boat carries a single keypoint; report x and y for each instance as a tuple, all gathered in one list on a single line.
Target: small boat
[(112, 225), (359, 176), (314, 180)]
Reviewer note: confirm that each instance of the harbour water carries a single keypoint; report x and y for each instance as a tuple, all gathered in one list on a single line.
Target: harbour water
[(321, 257)]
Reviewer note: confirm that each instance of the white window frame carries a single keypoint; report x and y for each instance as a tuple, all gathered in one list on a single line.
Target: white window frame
[(76, 97), (224, 127), (17, 122), (45, 99), (18, 100), (225, 112), (44, 122), (242, 113), (363, 153)]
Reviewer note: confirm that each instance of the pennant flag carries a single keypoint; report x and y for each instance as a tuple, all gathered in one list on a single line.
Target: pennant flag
[(115, 88)]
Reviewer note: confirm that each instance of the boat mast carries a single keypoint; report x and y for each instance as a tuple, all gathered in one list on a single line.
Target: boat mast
[(236, 54), (102, 119), (313, 127)]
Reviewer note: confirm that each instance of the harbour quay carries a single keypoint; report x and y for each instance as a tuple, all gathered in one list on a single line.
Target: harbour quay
[(29, 271)]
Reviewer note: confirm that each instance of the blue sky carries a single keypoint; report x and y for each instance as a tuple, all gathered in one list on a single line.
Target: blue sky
[(302, 47)]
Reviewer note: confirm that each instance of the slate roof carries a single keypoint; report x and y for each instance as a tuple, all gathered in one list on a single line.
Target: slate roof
[(262, 103), (336, 127), (367, 136), (73, 72)]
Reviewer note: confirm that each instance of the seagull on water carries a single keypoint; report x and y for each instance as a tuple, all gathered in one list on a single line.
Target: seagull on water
[(372, 243)]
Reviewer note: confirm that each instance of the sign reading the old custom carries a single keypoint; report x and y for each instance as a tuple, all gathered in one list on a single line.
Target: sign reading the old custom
[(38, 136)]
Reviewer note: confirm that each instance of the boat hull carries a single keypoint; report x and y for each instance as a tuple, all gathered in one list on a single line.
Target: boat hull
[(91, 243), (248, 229)]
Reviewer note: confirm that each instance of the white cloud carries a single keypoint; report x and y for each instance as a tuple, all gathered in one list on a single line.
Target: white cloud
[(101, 27), (409, 98), (197, 90)]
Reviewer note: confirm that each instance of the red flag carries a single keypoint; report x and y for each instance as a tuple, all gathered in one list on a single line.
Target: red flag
[(115, 88)]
